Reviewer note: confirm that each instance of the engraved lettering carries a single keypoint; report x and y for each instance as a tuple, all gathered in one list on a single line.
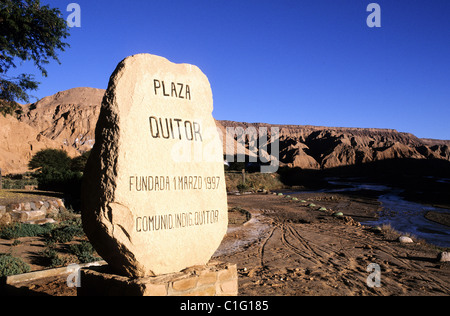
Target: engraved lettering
[(182, 92)]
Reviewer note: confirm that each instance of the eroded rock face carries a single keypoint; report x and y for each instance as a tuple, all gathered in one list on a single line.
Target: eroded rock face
[(19, 142), (68, 117), (154, 196), (318, 147)]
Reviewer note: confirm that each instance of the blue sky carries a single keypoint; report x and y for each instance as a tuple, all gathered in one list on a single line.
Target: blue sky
[(279, 61)]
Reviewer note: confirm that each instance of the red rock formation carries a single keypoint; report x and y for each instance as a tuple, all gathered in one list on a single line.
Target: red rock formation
[(19, 142), (314, 147), (69, 118)]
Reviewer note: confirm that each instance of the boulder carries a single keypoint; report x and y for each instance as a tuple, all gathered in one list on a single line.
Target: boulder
[(444, 257), (405, 240)]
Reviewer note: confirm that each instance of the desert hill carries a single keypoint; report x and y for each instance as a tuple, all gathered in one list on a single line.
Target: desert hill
[(19, 142), (68, 118)]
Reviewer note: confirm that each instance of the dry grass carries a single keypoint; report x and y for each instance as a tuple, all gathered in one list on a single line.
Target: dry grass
[(390, 233), (253, 181)]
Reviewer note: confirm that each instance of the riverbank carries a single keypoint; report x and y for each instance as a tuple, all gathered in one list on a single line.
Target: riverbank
[(438, 217), (396, 207), (302, 250)]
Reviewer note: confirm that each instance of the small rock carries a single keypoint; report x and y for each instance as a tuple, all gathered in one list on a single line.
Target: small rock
[(444, 257), (405, 240), (377, 229), (338, 214), (294, 199), (312, 205), (322, 209)]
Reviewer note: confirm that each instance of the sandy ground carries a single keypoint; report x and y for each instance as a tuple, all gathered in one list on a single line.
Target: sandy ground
[(291, 249), (304, 251)]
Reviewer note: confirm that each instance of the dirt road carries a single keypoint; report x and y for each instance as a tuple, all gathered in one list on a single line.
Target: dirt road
[(300, 250)]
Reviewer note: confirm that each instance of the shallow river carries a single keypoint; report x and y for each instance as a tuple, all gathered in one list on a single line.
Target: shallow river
[(402, 215)]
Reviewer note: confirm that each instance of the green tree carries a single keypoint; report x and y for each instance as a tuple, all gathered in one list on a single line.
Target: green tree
[(56, 159), (56, 171), (28, 32), (79, 163)]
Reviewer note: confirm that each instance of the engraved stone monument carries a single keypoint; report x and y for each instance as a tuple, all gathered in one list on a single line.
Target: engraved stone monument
[(154, 196)]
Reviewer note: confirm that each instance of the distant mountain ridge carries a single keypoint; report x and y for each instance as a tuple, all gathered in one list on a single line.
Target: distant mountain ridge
[(317, 147), (68, 119)]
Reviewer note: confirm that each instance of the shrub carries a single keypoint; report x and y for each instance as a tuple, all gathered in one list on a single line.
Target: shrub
[(56, 171), (25, 230), (11, 266), (66, 215), (51, 258), (65, 234), (255, 181), (391, 233), (17, 183), (66, 181), (242, 187), (84, 252)]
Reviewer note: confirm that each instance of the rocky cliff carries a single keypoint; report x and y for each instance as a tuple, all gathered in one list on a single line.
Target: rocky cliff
[(68, 118), (315, 147), (19, 142)]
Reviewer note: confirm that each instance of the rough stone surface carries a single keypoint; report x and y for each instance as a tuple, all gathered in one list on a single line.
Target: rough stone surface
[(19, 142), (444, 256), (67, 117), (405, 240), (213, 279), (154, 196), (33, 212)]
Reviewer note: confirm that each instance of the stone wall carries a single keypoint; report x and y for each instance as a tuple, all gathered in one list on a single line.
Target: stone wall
[(32, 212), (213, 279)]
